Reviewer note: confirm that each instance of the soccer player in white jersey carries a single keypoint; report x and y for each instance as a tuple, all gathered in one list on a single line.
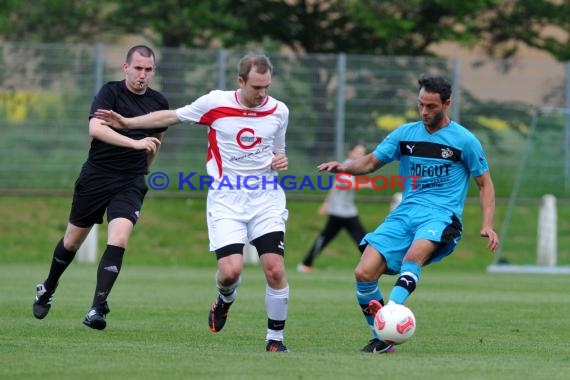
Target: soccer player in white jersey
[(245, 204), (438, 157)]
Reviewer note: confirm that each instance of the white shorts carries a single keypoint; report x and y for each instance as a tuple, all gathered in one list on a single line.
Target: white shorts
[(240, 216)]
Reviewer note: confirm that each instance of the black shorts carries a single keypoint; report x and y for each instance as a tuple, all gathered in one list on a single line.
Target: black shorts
[(270, 242), (96, 192)]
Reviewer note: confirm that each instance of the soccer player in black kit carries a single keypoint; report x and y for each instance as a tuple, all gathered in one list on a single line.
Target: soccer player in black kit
[(112, 181)]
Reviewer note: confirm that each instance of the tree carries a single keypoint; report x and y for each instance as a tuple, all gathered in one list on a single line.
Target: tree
[(380, 27), (404, 27), (396, 27), (543, 25), (52, 20)]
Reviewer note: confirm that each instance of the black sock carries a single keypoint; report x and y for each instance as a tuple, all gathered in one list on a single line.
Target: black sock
[(107, 273), (59, 263)]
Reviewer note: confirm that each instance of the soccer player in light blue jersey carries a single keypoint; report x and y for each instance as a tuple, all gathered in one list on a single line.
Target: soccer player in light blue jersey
[(437, 157)]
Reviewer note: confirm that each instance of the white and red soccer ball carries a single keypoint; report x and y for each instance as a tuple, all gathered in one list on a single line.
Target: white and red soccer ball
[(395, 323)]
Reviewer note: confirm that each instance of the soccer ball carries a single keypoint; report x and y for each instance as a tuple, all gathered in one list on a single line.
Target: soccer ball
[(395, 323)]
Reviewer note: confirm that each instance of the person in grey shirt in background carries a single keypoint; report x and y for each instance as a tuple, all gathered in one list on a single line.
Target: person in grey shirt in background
[(342, 213)]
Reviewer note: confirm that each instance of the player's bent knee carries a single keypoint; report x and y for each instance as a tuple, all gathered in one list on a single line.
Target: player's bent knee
[(364, 275)]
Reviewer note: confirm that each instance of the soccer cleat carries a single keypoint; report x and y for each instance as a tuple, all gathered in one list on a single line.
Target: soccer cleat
[(276, 346), (302, 268), (218, 314), (376, 346), (95, 318), (374, 307), (42, 302)]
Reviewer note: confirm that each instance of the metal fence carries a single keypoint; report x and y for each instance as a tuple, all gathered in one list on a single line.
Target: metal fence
[(46, 92)]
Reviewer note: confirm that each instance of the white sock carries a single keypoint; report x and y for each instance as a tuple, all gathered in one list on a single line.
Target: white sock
[(276, 305)]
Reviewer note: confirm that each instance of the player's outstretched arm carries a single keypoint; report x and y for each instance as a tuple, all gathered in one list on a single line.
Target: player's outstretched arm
[(98, 130), (363, 165), (331, 166), (157, 119)]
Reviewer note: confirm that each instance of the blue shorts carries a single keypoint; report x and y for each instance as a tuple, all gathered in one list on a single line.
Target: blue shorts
[(411, 222)]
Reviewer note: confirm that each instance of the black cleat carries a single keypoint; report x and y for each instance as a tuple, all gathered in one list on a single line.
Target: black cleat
[(218, 314), (95, 318), (276, 346), (42, 302), (376, 346)]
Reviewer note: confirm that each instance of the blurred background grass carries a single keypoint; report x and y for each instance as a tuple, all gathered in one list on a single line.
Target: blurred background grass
[(172, 231)]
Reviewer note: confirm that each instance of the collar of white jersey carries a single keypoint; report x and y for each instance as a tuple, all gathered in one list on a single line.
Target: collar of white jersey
[(236, 96)]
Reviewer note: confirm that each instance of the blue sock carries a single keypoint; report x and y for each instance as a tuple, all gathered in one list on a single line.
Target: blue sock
[(406, 283), (366, 292)]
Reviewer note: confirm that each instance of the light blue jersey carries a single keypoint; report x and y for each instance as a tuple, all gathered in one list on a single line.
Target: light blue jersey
[(437, 168), (442, 163)]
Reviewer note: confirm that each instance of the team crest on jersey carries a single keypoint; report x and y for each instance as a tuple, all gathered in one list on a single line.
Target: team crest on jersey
[(246, 138), (446, 153)]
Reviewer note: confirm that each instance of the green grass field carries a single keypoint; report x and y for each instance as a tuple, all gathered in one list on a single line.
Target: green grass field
[(471, 325), (172, 231)]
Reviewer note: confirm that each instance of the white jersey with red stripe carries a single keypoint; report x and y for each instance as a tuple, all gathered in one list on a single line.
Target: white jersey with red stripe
[(241, 141)]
